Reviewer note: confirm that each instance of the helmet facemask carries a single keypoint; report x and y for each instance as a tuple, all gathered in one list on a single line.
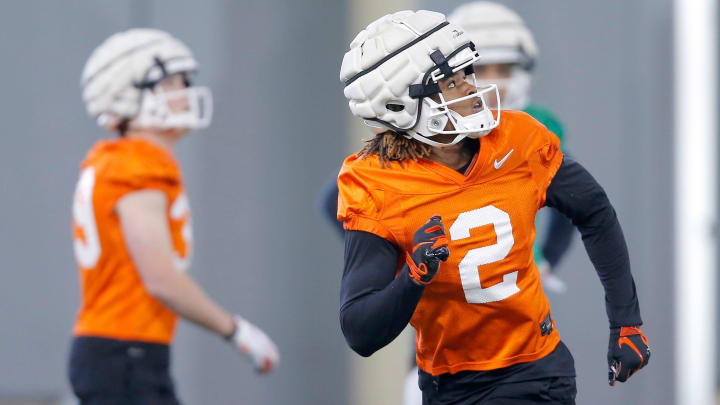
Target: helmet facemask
[(434, 117), (159, 108), (188, 107)]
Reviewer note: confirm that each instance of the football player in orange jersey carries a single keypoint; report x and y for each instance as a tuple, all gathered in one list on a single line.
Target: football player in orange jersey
[(132, 226), (439, 214)]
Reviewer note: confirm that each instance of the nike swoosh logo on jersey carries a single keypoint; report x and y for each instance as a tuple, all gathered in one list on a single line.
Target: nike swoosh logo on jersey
[(502, 161)]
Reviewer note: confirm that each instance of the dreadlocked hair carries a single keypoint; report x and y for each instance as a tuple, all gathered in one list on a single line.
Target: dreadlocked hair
[(392, 147)]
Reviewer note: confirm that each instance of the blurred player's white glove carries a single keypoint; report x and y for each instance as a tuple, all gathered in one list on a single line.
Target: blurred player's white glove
[(550, 281), (252, 341)]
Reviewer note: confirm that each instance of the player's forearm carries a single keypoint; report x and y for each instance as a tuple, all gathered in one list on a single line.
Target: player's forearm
[(147, 237), (605, 244), (371, 321), (576, 194), (375, 306), (185, 298)]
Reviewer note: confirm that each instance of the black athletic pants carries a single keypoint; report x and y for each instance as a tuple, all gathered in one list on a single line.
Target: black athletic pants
[(552, 390), (550, 380), (114, 372)]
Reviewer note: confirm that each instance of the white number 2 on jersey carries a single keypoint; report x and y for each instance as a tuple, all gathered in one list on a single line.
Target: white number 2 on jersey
[(87, 251), (469, 265)]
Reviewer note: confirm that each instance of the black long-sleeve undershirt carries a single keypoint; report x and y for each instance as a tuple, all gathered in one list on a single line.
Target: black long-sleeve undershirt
[(376, 306), (576, 194)]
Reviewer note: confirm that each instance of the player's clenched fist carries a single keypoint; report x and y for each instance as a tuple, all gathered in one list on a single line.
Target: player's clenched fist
[(628, 353), (430, 245), (252, 341)]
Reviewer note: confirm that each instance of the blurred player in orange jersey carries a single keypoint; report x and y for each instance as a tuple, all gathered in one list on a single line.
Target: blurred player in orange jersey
[(132, 226), (439, 213)]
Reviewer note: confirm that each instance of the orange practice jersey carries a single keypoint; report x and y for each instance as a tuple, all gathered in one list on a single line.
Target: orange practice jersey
[(115, 304), (484, 307)]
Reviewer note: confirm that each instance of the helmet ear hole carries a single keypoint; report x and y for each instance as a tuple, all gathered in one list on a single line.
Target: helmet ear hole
[(394, 107)]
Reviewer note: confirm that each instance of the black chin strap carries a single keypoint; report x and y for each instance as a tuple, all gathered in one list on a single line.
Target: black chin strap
[(439, 59), (160, 64), (421, 90), (147, 84), (424, 90)]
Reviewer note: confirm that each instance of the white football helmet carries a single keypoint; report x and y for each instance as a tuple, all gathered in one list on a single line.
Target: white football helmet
[(501, 36), (120, 75), (393, 67)]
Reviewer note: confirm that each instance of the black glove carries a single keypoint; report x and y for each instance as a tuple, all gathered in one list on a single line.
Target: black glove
[(628, 353), (430, 245)]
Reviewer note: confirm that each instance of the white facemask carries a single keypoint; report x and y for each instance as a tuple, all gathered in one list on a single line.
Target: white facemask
[(158, 110), (435, 116)]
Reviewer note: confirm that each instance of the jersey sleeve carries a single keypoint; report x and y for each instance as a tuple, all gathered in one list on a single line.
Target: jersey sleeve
[(544, 158), (360, 201), (130, 172)]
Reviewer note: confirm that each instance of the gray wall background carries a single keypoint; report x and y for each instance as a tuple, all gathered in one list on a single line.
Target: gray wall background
[(252, 178), (261, 247), (606, 69)]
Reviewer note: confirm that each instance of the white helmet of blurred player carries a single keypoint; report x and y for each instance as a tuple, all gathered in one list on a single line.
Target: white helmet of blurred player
[(119, 79), (501, 37), (393, 67)]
